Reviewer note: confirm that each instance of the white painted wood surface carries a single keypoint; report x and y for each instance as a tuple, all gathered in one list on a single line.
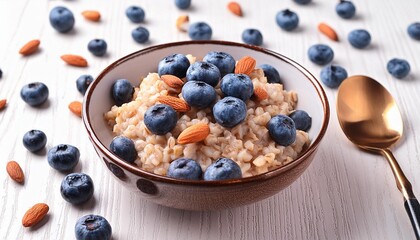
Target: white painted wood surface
[(344, 194)]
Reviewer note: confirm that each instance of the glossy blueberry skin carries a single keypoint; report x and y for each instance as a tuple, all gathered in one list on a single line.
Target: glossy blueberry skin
[(160, 119), (140, 34), (124, 148), (175, 64), (252, 36), (35, 93), (320, 54), (122, 91), (302, 2), (63, 157), (77, 188), (92, 227), (200, 31), (205, 72), (414, 30), (282, 130), (345, 9), (237, 85), (184, 168), (83, 82), (61, 19), (359, 38), (302, 120), (271, 73), (229, 111), (198, 94), (287, 20), (399, 68), (34, 140), (97, 47), (222, 169), (224, 61), (183, 4), (333, 75), (136, 14)]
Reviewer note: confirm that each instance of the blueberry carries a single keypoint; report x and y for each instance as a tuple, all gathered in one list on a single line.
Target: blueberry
[(34, 140), (223, 61), (63, 157), (198, 94), (222, 169), (398, 68), (97, 47), (414, 30), (184, 168), (333, 75), (1, 73), (183, 4), (160, 119), (229, 111), (302, 120), (252, 36), (200, 31), (83, 82), (345, 9), (204, 71), (175, 64), (61, 19), (140, 34), (282, 130), (237, 85), (271, 73), (77, 188), (122, 91), (320, 54), (35, 93), (93, 227), (359, 38), (135, 14), (287, 20), (124, 148), (302, 2)]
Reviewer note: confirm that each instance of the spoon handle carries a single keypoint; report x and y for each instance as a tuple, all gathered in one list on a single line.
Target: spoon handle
[(413, 209)]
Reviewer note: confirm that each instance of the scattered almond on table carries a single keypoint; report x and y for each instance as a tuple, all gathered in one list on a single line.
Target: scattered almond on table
[(74, 60), (182, 23), (3, 103), (328, 31), (15, 171), (92, 15), (195, 133), (35, 214), (235, 8), (245, 65), (30, 47), (76, 108)]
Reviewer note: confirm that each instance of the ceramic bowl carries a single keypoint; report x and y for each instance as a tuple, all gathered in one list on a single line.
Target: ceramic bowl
[(202, 195)]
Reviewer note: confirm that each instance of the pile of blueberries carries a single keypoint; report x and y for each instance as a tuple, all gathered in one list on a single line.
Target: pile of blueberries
[(199, 91)]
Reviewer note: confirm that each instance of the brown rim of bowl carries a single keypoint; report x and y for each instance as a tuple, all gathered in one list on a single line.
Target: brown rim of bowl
[(159, 178)]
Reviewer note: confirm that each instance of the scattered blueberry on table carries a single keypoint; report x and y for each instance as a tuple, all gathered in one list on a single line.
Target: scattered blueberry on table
[(160, 119), (333, 75), (122, 91), (222, 169), (414, 30), (34, 140), (97, 47), (359, 38), (135, 14), (1, 73), (77, 188), (229, 111), (282, 130), (222, 60), (320, 54), (63, 157), (175, 64), (271, 73), (184, 168), (198, 94), (35, 93), (237, 85), (61, 19), (302, 120), (302, 2), (252, 36), (183, 4), (140, 34), (204, 71), (200, 31), (124, 148), (287, 20), (399, 68), (345, 9), (93, 227), (83, 82)]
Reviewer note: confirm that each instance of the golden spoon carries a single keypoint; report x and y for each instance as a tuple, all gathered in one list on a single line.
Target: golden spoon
[(370, 119)]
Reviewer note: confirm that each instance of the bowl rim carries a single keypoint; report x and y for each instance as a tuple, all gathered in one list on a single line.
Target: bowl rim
[(164, 179)]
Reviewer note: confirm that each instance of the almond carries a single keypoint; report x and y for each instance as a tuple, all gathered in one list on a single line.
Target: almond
[(35, 214), (15, 171), (260, 94), (76, 108), (182, 23), (92, 15), (3, 103), (176, 103), (245, 65), (328, 31), (235, 8), (30, 47), (195, 133), (74, 60), (172, 81)]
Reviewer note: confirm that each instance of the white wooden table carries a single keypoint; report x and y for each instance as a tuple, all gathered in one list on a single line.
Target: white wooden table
[(344, 194)]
